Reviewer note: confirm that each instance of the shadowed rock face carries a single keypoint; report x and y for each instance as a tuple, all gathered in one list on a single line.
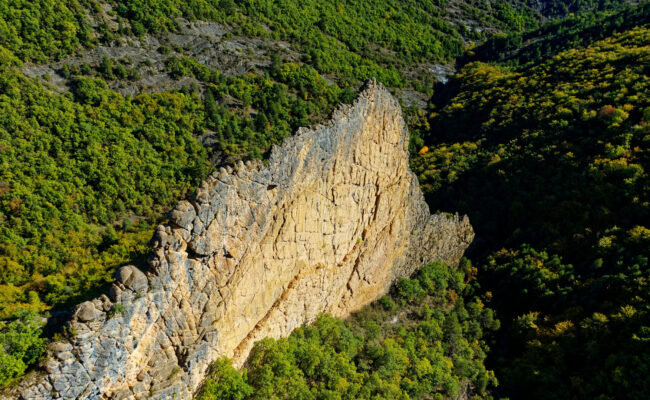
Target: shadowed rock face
[(326, 225)]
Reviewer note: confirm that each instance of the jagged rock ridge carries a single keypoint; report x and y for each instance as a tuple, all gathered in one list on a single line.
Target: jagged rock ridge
[(326, 225)]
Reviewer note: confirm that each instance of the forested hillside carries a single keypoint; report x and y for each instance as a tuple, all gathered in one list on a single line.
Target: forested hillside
[(522, 49), (350, 40), (541, 137), (87, 173), (550, 163)]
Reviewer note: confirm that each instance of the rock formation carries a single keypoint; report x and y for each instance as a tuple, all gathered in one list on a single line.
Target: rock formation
[(325, 225)]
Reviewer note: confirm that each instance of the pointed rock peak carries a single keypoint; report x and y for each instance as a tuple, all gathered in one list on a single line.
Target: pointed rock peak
[(326, 225)]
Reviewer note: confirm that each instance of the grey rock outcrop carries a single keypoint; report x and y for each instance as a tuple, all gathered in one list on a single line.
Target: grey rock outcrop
[(132, 278), (325, 226)]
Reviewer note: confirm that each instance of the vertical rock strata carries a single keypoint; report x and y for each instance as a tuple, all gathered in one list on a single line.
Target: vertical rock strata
[(326, 225)]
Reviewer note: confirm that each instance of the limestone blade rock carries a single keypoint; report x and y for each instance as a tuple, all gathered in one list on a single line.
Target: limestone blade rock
[(327, 225)]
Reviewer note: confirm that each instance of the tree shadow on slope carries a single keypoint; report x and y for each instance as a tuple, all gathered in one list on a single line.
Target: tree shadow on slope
[(550, 165)]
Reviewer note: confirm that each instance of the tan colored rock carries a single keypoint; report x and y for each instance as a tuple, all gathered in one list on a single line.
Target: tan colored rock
[(87, 311), (183, 214), (326, 226), (132, 278)]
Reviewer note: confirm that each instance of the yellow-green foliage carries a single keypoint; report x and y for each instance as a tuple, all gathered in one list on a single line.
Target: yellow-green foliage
[(530, 47), (269, 107), (556, 155), (42, 29), (70, 171), (350, 39), (20, 345), (361, 39)]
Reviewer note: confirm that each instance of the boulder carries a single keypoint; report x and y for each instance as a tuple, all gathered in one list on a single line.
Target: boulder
[(132, 278), (86, 312), (183, 214)]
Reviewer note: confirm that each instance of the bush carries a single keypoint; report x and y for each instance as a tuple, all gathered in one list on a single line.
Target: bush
[(21, 345), (409, 289), (227, 384)]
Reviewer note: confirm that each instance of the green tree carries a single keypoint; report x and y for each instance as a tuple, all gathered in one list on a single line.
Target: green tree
[(20, 345), (228, 384)]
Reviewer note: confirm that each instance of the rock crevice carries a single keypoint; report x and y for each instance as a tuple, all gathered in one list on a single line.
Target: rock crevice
[(325, 225)]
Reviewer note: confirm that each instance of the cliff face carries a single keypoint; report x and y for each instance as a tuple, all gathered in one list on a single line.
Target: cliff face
[(327, 225)]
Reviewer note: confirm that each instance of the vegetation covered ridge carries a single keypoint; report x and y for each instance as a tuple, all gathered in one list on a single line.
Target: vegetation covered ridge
[(551, 164), (527, 48), (348, 41)]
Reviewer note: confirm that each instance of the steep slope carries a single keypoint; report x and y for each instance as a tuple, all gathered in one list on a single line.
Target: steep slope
[(327, 225), (551, 164), (525, 49)]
